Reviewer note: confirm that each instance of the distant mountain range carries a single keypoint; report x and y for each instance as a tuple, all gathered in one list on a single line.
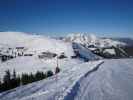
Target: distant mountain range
[(128, 41), (91, 39), (38, 43)]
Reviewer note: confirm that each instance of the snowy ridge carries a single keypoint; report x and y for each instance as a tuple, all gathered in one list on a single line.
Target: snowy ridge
[(71, 92), (91, 39), (112, 81), (54, 88), (85, 52)]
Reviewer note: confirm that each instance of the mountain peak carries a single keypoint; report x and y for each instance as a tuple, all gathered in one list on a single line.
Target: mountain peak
[(91, 39)]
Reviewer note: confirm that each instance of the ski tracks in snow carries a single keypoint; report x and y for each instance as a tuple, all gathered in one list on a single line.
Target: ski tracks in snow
[(72, 92)]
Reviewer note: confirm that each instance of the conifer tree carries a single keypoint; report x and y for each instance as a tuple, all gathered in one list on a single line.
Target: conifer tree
[(39, 76), (0, 85), (31, 78), (14, 74), (49, 73), (6, 81), (25, 79), (7, 76), (18, 80)]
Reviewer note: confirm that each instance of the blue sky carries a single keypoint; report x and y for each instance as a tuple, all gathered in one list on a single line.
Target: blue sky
[(60, 17)]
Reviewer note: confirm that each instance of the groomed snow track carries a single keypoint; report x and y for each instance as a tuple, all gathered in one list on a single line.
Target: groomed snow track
[(112, 81), (72, 94)]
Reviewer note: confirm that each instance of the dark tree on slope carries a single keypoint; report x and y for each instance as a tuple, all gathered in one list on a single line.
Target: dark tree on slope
[(18, 80), (0, 86), (15, 81), (7, 76), (14, 74), (6, 80), (31, 78), (49, 73), (25, 79), (39, 76)]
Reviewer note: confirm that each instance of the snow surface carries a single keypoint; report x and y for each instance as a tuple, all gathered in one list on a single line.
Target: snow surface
[(78, 80), (110, 51), (34, 43), (85, 52), (95, 80), (112, 81), (54, 88), (25, 64)]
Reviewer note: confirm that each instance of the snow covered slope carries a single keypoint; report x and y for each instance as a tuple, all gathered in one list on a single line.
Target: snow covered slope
[(55, 87), (78, 80), (91, 39), (85, 52), (37, 44), (112, 81), (27, 65), (97, 80), (34, 43)]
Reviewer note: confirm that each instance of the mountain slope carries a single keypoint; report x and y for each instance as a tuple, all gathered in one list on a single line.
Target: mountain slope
[(90, 39), (84, 52), (31, 43), (112, 81), (78, 80), (54, 88), (108, 80), (34, 43)]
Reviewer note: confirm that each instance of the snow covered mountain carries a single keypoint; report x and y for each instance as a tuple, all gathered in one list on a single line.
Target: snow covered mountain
[(79, 79), (91, 39), (128, 41), (26, 60), (34, 43)]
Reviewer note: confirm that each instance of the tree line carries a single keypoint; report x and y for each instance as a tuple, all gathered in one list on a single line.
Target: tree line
[(13, 80)]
